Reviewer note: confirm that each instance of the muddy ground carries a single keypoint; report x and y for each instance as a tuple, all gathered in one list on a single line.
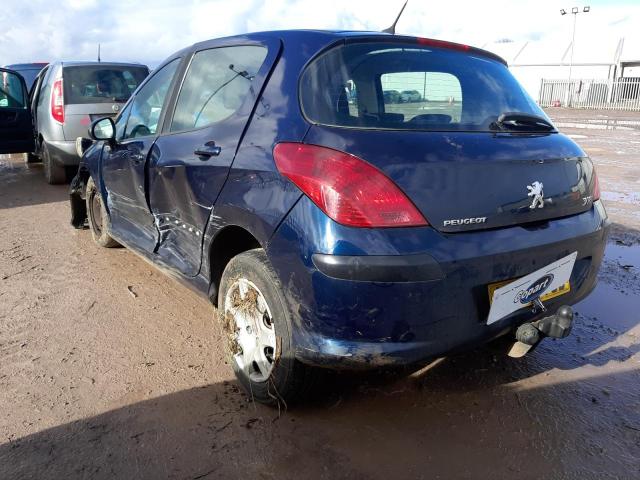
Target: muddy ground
[(108, 369)]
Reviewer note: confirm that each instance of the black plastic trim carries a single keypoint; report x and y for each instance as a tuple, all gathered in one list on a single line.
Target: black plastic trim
[(379, 268)]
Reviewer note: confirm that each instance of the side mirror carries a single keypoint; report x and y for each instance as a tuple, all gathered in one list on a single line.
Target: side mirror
[(103, 129)]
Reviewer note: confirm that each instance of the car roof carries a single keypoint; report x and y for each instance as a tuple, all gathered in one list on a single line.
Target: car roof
[(34, 65), (103, 64), (336, 35)]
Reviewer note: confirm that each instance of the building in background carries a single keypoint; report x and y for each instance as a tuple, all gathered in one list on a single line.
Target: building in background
[(605, 74)]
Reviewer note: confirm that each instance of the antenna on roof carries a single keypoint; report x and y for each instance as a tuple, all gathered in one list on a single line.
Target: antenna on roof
[(392, 28), (98, 52)]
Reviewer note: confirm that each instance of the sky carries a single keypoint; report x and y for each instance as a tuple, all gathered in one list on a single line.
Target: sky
[(148, 32)]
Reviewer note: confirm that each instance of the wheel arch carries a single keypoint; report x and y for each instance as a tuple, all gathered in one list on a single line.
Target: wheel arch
[(230, 241)]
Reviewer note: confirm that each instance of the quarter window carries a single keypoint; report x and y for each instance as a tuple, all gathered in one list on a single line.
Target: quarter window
[(216, 84), (45, 89), (121, 122), (148, 103)]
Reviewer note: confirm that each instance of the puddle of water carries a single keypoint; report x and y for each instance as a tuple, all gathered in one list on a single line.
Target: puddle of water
[(625, 255), (632, 198), (591, 126), (611, 307), (616, 299), (600, 123)]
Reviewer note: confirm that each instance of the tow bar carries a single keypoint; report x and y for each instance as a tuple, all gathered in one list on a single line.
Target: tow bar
[(528, 335)]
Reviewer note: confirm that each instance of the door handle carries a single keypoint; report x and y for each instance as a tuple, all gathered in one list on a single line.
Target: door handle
[(208, 150)]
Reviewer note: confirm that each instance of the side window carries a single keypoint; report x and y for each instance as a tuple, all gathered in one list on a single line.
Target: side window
[(216, 84), (121, 122), (148, 103), (12, 93), (45, 89), (35, 94)]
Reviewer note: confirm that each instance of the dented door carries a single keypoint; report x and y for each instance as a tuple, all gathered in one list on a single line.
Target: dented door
[(125, 161), (217, 98)]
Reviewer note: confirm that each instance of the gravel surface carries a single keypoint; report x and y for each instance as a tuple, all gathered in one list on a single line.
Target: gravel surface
[(97, 382)]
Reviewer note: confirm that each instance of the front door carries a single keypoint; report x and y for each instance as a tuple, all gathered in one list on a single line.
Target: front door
[(16, 129), (216, 99), (124, 162)]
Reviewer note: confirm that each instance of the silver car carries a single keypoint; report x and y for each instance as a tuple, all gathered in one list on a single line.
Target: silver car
[(66, 97)]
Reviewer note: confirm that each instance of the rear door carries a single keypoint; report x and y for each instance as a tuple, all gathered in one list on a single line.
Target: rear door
[(215, 102), (16, 128), (96, 91)]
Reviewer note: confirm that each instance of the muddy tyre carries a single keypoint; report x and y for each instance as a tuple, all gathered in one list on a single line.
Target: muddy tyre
[(257, 322), (54, 173), (98, 217)]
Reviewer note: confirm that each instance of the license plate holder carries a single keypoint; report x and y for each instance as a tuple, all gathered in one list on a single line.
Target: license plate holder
[(548, 282)]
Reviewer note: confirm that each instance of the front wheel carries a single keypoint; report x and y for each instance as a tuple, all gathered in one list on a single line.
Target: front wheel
[(98, 217), (258, 324)]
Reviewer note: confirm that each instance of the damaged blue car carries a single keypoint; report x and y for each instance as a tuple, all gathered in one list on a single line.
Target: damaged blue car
[(337, 228)]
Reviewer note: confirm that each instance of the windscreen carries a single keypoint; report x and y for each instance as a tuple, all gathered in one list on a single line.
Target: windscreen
[(29, 75), (410, 87), (101, 84)]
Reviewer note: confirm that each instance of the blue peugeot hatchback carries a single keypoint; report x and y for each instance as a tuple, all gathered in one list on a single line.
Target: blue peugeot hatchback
[(335, 227)]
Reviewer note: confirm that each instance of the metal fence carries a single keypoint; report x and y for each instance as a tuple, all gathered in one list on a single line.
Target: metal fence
[(618, 94)]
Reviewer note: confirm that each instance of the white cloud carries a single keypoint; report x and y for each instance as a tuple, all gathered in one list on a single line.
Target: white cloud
[(134, 31)]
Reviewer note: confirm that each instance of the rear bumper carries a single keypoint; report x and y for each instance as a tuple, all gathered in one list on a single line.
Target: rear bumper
[(350, 311), (63, 152)]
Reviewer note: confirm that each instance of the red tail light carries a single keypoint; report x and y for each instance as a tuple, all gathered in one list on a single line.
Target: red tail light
[(346, 188), (596, 187), (57, 102)]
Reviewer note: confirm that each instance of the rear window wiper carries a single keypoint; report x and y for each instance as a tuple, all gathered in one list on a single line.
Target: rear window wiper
[(521, 122)]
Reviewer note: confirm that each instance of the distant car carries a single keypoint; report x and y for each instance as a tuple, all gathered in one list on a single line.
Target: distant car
[(29, 71), (65, 98), (338, 237), (408, 96), (391, 96)]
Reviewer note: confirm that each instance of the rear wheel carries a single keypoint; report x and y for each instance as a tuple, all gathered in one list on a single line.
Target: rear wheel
[(54, 173), (257, 322), (98, 217)]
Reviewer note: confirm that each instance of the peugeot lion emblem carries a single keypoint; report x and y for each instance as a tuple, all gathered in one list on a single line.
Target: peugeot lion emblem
[(535, 191)]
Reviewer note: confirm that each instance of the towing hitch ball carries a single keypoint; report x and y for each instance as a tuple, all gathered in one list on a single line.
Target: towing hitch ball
[(530, 334)]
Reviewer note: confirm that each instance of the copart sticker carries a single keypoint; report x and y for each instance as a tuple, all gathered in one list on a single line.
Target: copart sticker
[(521, 292)]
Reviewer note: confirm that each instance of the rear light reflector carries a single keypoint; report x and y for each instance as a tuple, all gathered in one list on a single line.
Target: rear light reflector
[(57, 102), (349, 190), (430, 42)]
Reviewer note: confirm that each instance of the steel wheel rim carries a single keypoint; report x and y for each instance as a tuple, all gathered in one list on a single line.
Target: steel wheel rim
[(253, 335)]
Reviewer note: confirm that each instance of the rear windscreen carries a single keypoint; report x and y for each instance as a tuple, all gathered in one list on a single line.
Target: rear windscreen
[(101, 84), (409, 87)]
